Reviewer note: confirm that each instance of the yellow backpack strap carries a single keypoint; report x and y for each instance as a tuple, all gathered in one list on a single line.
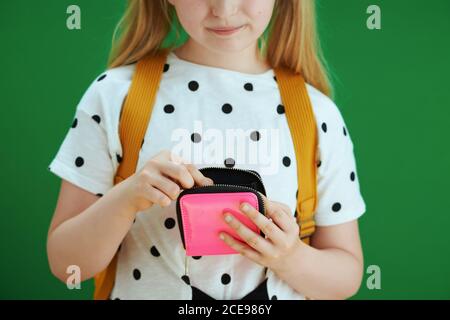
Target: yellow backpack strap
[(134, 120), (302, 125)]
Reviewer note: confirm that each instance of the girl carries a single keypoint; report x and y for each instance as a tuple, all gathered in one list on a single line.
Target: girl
[(216, 81)]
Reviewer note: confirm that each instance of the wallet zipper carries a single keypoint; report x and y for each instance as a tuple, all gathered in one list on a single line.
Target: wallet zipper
[(236, 169), (256, 174), (219, 185)]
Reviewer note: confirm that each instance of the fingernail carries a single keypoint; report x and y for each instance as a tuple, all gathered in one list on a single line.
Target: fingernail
[(221, 236), (228, 217), (245, 206)]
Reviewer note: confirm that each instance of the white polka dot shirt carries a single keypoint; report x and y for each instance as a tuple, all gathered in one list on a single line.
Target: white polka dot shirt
[(211, 117)]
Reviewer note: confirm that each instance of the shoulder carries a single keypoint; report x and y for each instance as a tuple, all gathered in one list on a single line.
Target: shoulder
[(114, 79), (333, 134), (106, 92), (121, 74), (324, 108)]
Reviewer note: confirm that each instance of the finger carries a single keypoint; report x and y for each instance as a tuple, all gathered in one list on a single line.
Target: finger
[(253, 239), (176, 158), (177, 172), (199, 178), (280, 217), (165, 185), (284, 207), (155, 196), (270, 229), (240, 247)]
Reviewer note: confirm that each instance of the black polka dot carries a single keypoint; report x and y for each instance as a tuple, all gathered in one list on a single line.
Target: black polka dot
[(166, 67), (280, 109), (196, 137), (101, 77), (136, 274), (345, 131), (168, 108), (319, 163), (229, 162), (274, 297), (169, 223), (248, 87), (286, 161), (186, 279), (196, 257), (74, 123), (255, 135), (324, 127), (96, 118), (99, 194), (193, 85), (227, 108), (119, 158), (154, 251), (352, 176), (225, 278), (336, 207), (79, 161)]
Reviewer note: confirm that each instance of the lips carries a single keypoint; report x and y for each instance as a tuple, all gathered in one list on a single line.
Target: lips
[(226, 30)]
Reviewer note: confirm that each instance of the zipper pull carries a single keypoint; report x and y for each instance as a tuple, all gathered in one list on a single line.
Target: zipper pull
[(186, 262), (185, 277)]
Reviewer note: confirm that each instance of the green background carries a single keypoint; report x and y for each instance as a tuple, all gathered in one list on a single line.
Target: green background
[(391, 86)]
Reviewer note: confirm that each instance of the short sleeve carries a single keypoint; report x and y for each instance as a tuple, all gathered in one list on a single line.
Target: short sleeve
[(339, 197), (84, 157)]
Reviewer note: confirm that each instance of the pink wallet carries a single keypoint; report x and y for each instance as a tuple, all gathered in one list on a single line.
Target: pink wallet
[(200, 209)]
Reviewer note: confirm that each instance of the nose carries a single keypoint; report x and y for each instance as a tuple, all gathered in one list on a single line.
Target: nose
[(224, 8)]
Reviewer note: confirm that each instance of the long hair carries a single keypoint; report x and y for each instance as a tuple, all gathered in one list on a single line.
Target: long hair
[(146, 25)]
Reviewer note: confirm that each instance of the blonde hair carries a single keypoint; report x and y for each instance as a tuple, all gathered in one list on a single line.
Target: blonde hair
[(146, 25)]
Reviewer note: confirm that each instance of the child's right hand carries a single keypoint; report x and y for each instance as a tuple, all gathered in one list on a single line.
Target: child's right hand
[(160, 181)]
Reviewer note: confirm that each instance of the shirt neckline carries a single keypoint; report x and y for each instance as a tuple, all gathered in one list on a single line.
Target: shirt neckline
[(268, 73)]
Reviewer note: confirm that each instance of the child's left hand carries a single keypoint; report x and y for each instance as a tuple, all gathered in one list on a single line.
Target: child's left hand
[(279, 226)]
